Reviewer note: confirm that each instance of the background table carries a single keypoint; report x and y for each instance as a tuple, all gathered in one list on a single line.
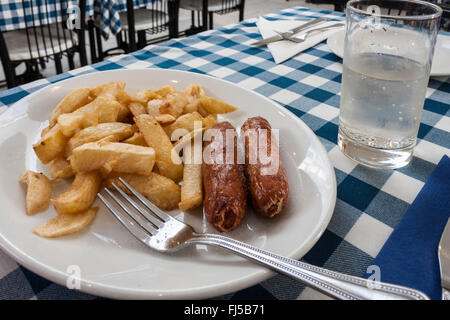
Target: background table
[(370, 202), (105, 12)]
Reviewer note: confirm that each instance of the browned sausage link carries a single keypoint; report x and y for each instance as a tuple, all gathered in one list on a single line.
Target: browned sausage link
[(268, 188), (225, 201)]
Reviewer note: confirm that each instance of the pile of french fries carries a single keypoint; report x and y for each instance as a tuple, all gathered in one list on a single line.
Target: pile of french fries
[(96, 135)]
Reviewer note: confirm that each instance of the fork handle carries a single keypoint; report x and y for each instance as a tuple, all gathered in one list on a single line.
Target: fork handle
[(334, 284)]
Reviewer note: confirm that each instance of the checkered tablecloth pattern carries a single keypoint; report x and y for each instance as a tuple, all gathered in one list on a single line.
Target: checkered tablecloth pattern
[(370, 202), (19, 14), (107, 16), (14, 15)]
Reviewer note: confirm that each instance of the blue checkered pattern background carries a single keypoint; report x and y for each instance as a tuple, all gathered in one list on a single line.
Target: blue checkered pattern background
[(370, 202), (106, 13), (15, 15)]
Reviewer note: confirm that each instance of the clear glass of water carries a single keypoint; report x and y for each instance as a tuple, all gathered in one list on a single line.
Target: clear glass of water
[(388, 50)]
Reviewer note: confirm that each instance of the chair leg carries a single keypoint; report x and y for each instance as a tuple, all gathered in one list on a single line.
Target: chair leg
[(211, 23), (11, 76), (42, 63), (31, 73), (70, 59), (58, 65), (204, 15), (192, 19), (98, 35), (141, 39), (9, 67), (120, 42), (173, 9), (92, 44), (241, 11)]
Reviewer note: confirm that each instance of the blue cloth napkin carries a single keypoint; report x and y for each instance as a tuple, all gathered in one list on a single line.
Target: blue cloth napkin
[(410, 255)]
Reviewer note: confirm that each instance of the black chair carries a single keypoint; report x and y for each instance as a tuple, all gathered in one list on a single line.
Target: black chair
[(159, 16), (205, 10), (445, 20), (40, 41), (339, 5)]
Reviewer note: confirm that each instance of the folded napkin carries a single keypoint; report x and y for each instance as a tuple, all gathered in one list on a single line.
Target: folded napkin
[(283, 50), (410, 255)]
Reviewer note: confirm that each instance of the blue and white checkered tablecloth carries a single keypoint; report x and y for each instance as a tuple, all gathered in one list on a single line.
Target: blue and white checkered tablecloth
[(14, 16), (370, 202)]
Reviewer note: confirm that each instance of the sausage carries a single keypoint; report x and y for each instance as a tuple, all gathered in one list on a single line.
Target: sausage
[(266, 182), (225, 201)]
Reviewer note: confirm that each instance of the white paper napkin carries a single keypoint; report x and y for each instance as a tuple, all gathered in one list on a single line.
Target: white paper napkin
[(283, 50)]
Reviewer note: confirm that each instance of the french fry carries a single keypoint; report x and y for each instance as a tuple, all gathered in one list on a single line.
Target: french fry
[(156, 138), (191, 106), (193, 93), (186, 121), (64, 224), (137, 139), (80, 195), (136, 108), (123, 112), (191, 188), (102, 109), (74, 100), (45, 130), (71, 123), (51, 145), (39, 191), (126, 98), (120, 157), (147, 95), (108, 109), (153, 107), (107, 139), (186, 140), (215, 106), (166, 90), (60, 168), (174, 104), (161, 191), (116, 89), (209, 121), (165, 119), (100, 131), (202, 110), (113, 88)]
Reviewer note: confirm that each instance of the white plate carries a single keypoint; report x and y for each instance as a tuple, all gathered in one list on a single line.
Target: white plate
[(112, 263), (441, 58)]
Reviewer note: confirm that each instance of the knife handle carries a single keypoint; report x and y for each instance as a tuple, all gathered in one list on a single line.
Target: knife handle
[(334, 284)]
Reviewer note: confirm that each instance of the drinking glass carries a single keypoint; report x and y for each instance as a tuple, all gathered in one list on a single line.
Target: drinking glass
[(389, 45)]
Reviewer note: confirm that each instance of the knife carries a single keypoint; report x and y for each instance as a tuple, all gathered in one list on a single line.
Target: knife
[(290, 32), (302, 38), (444, 261)]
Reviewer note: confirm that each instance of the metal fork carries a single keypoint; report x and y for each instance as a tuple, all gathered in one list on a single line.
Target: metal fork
[(302, 37), (161, 232)]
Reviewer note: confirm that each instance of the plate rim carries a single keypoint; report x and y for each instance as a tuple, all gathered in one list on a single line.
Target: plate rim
[(108, 291)]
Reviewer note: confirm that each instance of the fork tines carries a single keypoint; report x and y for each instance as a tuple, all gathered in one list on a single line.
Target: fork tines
[(139, 221)]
